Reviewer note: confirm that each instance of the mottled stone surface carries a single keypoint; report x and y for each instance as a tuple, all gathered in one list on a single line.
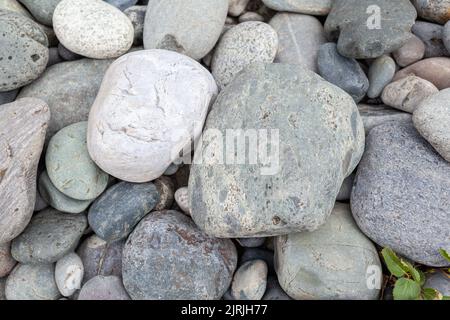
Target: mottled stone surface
[(408, 93), (249, 281), (299, 39), (359, 35), (42, 10), (180, 25), (32, 282), (412, 51), (49, 237), (165, 187), (242, 45), (329, 263), (69, 89), (101, 258), (93, 28), (69, 272), (374, 115), (343, 72), (7, 262), (158, 260), (169, 88), (433, 10), (318, 127), (22, 131), (432, 36), (432, 118), (435, 70), (182, 199), (312, 7), (23, 50), (103, 288), (15, 6), (114, 215), (413, 181), (136, 14)]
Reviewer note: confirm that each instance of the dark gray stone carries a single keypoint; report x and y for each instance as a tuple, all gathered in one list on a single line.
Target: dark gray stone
[(42, 10), (168, 257), (32, 282), (354, 25), (431, 35), (446, 36), (251, 242), (329, 263), (274, 290), (320, 142), (101, 258), (400, 196), (346, 188), (68, 55), (343, 72), (53, 57), (2, 289), (374, 115), (250, 254), (122, 4), (8, 96), (136, 14), (23, 50), (114, 215), (49, 237), (68, 103)]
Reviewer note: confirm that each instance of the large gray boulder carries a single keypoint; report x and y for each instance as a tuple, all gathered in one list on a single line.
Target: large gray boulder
[(400, 196), (315, 139)]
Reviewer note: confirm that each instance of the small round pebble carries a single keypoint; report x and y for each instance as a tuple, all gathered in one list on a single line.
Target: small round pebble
[(412, 51), (69, 273), (250, 280), (103, 288), (242, 45), (32, 282), (93, 28), (381, 73), (70, 167), (182, 199)]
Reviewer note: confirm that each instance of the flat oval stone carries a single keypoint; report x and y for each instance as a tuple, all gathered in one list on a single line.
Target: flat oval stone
[(329, 263), (93, 28), (41, 10), (23, 51), (432, 118), (369, 30), (103, 288), (374, 115), (7, 262), (22, 127), (407, 94), (49, 237), (57, 199), (70, 167), (412, 51), (69, 274), (299, 39), (114, 215), (432, 36), (381, 73), (179, 25), (413, 181), (68, 103), (32, 282), (433, 10), (250, 280), (312, 7), (317, 125), (149, 108), (182, 200), (171, 239), (101, 258), (435, 70), (242, 45), (343, 72)]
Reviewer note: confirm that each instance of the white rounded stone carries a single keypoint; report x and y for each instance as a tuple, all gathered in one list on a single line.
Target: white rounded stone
[(93, 28), (151, 105), (182, 200), (69, 272)]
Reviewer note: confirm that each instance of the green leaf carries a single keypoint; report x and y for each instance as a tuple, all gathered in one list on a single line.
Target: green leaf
[(393, 263), (445, 254), (406, 289), (413, 272), (445, 298), (431, 294), (423, 278)]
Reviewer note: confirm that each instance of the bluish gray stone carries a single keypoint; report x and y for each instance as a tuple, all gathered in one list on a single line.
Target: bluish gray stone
[(438, 281), (114, 215), (168, 257), (370, 28), (53, 57), (381, 73), (400, 196), (49, 237), (8, 96), (57, 199), (23, 50), (446, 36), (251, 242), (431, 35), (250, 254), (330, 263), (122, 4), (250, 281), (374, 115), (66, 54), (343, 72), (69, 166), (68, 103), (32, 282), (136, 14), (308, 120), (42, 10)]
